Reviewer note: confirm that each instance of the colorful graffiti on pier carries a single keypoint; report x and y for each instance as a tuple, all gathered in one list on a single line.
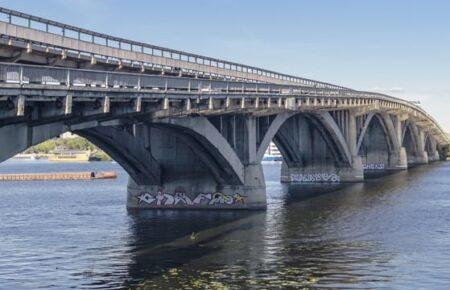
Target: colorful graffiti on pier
[(315, 177), (374, 166), (181, 198)]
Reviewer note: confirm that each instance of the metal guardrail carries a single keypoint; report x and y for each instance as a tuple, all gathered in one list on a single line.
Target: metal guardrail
[(44, 75), (50, 26), (52, 76)]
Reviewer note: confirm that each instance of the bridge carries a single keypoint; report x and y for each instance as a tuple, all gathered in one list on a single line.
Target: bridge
[(190, 130)]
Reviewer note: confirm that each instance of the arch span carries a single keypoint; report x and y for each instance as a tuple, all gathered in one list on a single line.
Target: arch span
[(312, 146), (114, 140), (410, 142), (431, 148), (186, 160), (200, 168), (377, 144)]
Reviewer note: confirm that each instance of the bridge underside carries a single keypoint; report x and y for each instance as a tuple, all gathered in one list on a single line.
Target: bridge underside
[(214, 161), (190, 130)]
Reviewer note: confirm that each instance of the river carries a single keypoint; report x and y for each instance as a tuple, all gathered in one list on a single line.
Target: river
[(389, 232)]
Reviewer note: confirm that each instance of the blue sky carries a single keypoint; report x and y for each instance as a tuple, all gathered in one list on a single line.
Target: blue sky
[(397, 47)]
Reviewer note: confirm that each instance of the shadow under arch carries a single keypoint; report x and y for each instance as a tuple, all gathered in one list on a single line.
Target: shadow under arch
[(313, 149), (303, 140), (26, 136), (377, 145), (410, 141), (208, 153)]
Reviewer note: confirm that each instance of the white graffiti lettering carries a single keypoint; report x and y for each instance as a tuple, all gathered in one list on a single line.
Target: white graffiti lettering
[(146, 197), (200, 197), (373, 166), (315, 177), (181, 198), (220, 198)]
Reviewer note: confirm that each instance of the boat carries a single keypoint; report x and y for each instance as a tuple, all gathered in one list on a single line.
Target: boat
[(272, 154), (69, 156), (24, 157), (272, 158)]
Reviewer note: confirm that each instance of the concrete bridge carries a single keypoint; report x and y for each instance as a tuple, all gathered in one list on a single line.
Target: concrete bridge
[(191, 131)]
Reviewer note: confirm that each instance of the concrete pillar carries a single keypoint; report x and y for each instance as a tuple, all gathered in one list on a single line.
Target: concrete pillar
[(422, 156), (356, 173), (399, 158), (201, 169)]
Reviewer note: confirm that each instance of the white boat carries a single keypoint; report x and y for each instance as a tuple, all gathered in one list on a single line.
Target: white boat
[(24, 157)]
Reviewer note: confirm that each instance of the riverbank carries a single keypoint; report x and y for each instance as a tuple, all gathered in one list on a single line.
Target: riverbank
[(48, 149)]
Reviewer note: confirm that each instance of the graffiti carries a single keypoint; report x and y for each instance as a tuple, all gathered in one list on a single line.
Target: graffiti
[(146, 197), (179, 197), (315, 177), (373, 166)]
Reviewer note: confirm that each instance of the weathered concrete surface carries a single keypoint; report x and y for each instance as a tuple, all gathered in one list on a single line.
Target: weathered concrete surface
[(199, 169), (201, 147)]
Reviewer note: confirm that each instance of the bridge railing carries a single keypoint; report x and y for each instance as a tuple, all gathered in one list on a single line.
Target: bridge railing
[(34, 74), (54, 27), (52, 76)]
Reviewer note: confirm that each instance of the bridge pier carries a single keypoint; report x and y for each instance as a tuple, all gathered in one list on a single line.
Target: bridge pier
[(199, 168), (316, 151), (399, 160), (190, 193)]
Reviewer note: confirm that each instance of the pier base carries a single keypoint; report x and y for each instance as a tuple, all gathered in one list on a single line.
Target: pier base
[(192, 194)]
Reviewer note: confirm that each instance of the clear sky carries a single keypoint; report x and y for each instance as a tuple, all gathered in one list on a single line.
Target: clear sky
[(397, 47)]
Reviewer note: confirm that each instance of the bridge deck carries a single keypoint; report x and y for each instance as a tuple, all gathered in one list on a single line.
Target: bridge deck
[(47, 83), (52, 34)]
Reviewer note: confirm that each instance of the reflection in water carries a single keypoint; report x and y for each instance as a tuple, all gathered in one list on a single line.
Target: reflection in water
[(387, 232)]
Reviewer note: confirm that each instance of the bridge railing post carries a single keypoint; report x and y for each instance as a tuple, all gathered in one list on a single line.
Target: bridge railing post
[(68, 78), (107, 80), (21, 76)]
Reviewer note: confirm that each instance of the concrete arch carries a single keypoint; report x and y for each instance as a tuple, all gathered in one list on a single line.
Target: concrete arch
[(279, 120), (322, 121), (199, 168), (120, 145), (388, 127), (431, 148), (314, 150), (329, 126), (329, 133), (428, 143), (127, 150), (375, 147), (17, 138), (202, 137), (410, 141)]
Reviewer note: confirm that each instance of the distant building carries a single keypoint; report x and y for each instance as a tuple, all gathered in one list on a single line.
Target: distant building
[(68, 135)]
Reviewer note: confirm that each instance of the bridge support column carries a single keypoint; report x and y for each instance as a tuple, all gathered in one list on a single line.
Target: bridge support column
[(356, 173), (398, 160), (192, 194), (434, 156), (200, 168), (422, 156)]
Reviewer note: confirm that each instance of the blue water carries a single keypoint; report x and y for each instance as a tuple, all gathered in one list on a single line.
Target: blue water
[(391, 232)]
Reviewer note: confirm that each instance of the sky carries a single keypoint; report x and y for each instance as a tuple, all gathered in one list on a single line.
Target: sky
[(400, 47)]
